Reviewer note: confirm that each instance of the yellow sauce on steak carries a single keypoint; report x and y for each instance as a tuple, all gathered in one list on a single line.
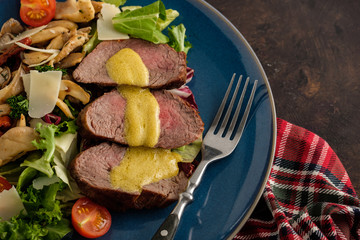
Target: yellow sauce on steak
[(127, 67), (141, 166), (142, 123)]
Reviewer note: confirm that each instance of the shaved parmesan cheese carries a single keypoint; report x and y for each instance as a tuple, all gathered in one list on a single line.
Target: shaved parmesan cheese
[(37, 49), (54, 52), (10, 204), (27, 33), (43, 92), (105, 28)]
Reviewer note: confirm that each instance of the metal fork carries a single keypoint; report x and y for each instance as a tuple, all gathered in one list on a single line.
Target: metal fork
[(219, 142)]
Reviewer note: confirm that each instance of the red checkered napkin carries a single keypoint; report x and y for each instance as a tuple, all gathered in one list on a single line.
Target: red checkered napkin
[(308, 195)]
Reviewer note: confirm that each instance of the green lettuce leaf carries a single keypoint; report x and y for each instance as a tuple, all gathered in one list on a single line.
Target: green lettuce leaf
[(91, 44), (66, 127), (43, 218), (190, 151), (115, 2), (177, 38), (143, 22), (46, 143), (58, 230), (170, 16)]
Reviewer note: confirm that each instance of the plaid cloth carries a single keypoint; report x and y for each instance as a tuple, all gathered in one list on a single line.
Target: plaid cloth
[(308, 195)]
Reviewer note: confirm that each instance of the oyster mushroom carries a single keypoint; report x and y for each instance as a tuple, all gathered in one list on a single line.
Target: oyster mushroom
[(75, 41), (5, 75), (74, 90), (71, 60), (76, 11), (8, 30), (12, 26), (16, 142), (64, 108), (14, 88)]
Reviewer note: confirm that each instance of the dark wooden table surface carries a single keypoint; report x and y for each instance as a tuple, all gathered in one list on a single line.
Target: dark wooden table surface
[(310, 50)]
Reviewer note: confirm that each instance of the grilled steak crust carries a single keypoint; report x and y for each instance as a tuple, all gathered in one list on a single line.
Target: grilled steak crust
[(167, 68), (180, 124), (91, 170)]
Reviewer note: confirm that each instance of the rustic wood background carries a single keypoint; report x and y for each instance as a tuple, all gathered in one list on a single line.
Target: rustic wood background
[(310, 50)]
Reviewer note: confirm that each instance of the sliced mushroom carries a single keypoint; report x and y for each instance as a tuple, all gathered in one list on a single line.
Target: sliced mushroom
[(76, 11), (11, 26), (5, 75), (14, 88), (35, 57), (71, 60), (74, 90), (16, 142), (4, 109), (4, 39), (97, 6), (85, 30), (75, 41), (64, 108), (62, 23), (8, 30), (57, 42), (48, 34)]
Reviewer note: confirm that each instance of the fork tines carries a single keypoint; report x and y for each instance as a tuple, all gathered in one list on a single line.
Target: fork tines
[(226, 129)]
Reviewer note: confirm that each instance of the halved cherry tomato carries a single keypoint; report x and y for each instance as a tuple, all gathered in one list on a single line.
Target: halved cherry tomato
[(90, 219), (4, 184), (37, 12)]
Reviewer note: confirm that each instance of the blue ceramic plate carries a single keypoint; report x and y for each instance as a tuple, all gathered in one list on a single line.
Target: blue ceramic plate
[(231, 187)]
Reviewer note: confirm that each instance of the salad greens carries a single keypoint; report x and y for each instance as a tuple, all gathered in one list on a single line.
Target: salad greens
[(143, 22), (39, 188), (93, 41), (115, 2), (46, 143), (149, 21), (177, 38), (190, 151), (43, 219), (19, 105)]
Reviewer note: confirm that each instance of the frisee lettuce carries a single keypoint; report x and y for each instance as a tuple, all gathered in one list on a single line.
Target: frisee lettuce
[(47, 144), (44, 218), (177, 38)]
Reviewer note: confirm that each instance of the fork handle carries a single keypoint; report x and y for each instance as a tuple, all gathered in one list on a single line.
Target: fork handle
[(168, 228)]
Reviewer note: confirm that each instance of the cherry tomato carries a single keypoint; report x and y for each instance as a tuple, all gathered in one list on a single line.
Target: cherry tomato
[(4, 184), (37, 12), (90, 219)]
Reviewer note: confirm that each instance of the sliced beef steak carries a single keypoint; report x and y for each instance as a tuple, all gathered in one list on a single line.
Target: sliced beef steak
[(167, 68), (91, 170), (180, 124)]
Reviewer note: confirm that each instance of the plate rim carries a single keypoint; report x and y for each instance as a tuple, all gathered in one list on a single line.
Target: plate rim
[(239, 37), (272, 107)]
